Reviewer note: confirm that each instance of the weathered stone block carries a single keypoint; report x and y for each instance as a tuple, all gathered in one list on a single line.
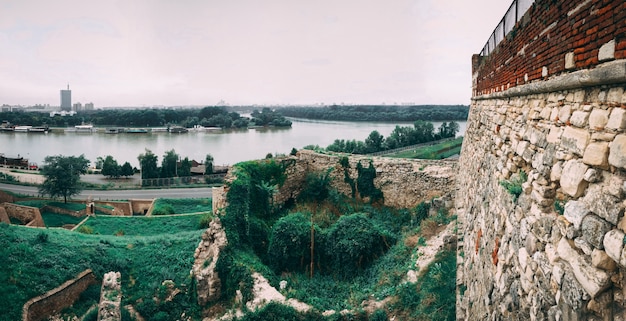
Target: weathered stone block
[(598, 119), (537, 138), (617, 119), (594, 228), (592, 175), (569, 60), (575, 212), (601, 260), (579, 119), (575, 139), (597, 154), (572, 178), (614, 244), (617, 154), (602, 204), (555, 173), (554, 136), (592, 279), (607, 51), (565, 113)]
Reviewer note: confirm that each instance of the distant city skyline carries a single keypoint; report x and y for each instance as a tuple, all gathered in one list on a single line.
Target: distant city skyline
[(275, 52)]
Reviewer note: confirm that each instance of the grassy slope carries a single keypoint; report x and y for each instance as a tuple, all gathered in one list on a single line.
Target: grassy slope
[(142, 225), (438, 151), (36, 260)]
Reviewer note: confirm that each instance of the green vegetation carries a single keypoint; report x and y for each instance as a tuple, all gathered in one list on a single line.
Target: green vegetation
[(334, 251), (7, 178), (33, 264), (514, 185), (380, 113), (210, 116), (268, 117), (437, 151), (165, 206), (421, 132), (142, 225), (63, 175), (58, 220)]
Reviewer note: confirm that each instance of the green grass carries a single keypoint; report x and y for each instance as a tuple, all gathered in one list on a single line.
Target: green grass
[(438, 151), (42, 203), (58, 220), (142, 225), (164, 206), (32, 264)]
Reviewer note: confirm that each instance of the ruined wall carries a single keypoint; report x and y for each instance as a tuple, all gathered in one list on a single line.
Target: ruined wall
[(30, 216), (122, 208), (4, 218), (57, 299), (403, 182), (550, 102)]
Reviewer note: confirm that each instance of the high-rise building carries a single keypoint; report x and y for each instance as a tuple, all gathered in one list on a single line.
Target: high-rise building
[(66, 99), (78, 107), (89, 106)]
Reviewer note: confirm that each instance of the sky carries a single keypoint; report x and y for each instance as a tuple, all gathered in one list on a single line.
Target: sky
[(242, 52)]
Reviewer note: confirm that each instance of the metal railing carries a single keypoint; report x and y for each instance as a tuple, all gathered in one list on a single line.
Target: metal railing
[(516, 11)]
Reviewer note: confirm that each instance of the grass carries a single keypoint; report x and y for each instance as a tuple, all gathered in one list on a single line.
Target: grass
[(41, 203), (438, 151), (33, 264), (164, 206), (142, 225), (58, 220)]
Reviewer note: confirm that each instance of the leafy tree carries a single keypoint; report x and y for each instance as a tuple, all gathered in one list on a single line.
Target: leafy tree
[(208, 164), (185, 167), (169, 163), (62, 175), (374, 142), (148, 163), (111, 168), (290, 243), (127, 170), (99, 162)]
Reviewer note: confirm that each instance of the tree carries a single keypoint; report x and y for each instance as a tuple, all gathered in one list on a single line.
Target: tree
[(208, 164), (148, 163), (169, 163), (127, 170), (63, 175), (185, 167), (374, 142), (110, 167)]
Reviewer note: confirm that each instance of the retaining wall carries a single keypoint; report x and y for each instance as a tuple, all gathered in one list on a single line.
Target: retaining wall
[(57, 299), (29, 216)]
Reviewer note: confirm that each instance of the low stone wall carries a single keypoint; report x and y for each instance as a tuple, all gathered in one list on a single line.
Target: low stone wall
[(6, 197), (59, 210), (4, 218), (140, 206), (57, 299), (109, 308), (29, 216), (120, 208)]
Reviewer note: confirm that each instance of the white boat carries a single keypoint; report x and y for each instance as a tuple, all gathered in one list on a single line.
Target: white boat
[(84, 128), (22, 129)]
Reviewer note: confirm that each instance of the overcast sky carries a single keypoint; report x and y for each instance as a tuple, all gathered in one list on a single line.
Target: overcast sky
[(200, 52)]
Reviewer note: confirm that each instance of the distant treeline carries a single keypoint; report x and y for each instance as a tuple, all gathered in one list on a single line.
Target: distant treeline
[(207, 116), (379, 113)]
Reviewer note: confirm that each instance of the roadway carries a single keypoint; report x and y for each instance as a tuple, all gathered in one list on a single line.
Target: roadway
[(197, 192)]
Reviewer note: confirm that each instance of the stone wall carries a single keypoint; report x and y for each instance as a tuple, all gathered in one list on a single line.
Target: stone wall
[(29, 216), (140, 206), (57, 299), (6, 197), (555, 253), (4, 218), (122, 208)]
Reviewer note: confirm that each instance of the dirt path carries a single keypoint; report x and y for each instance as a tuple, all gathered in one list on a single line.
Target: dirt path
[(426, 254)]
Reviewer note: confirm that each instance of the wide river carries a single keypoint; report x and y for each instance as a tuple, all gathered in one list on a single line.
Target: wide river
[(227, 147)]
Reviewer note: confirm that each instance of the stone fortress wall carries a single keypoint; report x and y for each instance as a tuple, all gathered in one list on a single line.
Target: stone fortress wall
[(551, 102)]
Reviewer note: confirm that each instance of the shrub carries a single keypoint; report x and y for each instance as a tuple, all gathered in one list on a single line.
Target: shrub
[(85, 229), (316, 187), (514, 185), (352, 243), (290, 243)]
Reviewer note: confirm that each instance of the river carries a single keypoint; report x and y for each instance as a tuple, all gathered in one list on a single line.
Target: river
[(227, 147)]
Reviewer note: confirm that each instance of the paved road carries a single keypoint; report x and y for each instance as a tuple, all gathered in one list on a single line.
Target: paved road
[(201, 192)]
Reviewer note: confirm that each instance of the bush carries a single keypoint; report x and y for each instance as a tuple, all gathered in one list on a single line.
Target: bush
[(85, 229), (290, 244), (316, 187), (352, 243)]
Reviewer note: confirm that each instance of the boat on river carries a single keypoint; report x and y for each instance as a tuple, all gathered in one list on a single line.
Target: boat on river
[(136, 130), (22, 129), (177, 130), (39, 129)]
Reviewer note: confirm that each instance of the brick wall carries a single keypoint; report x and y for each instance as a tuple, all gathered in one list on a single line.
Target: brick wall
[(552, 38), (57, 299)]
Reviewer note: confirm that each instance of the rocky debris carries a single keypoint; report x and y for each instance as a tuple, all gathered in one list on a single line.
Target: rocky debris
[(263, 293), (207, 253), (110, 298), (426, 254)]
